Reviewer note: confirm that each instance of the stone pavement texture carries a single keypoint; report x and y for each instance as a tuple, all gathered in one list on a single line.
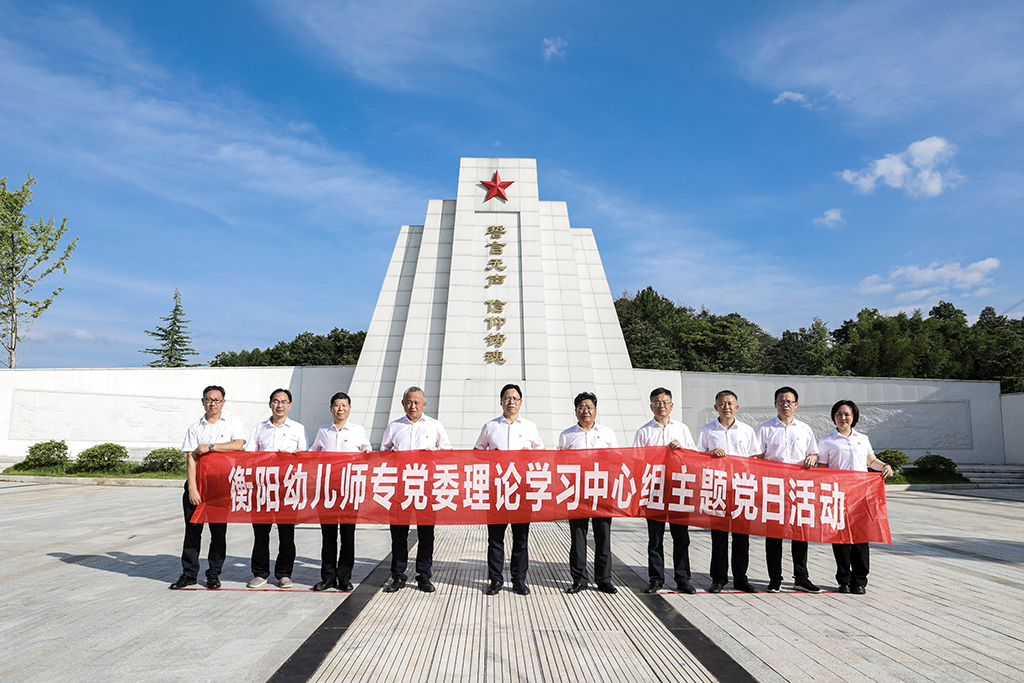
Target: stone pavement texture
[(84, 572)]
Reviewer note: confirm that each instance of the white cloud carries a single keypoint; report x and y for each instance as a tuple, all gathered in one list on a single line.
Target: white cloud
[(933, 281), (798, 98), (832, 218), (916, 170), (60, 335), (554, 47), (918, 294), (874, 284)]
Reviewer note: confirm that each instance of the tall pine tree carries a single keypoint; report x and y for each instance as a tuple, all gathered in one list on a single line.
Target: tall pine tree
[(175, 342)]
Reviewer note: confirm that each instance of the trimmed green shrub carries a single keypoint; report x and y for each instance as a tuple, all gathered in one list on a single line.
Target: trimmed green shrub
[(45, 454), (895, 459), (930, 462), (106, 456), (164, 460)]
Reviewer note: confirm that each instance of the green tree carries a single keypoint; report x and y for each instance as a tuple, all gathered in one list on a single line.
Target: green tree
[(175, 342), (337, 347), (28, 253)]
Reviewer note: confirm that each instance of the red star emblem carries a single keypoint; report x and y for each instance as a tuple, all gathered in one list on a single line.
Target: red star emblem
[(496, 187)]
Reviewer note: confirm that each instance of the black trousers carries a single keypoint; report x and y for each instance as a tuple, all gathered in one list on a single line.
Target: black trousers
[(194, 540), (602, 549), (720, 557), (261, 550), (400, 551), (496, 551), (656, 551), (852, 563), (773, 558), (339, 569)]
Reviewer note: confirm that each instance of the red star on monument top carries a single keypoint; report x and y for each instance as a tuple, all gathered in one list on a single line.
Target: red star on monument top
[(496, 187)]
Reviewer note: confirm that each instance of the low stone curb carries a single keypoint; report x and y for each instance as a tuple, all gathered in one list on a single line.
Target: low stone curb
[(93, 481)]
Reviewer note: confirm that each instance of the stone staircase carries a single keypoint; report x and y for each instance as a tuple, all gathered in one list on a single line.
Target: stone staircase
[(993, 475)]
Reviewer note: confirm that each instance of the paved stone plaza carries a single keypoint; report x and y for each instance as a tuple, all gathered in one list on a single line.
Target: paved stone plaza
[(85, 569)]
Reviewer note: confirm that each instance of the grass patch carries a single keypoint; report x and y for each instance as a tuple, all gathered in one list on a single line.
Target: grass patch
[(124, 471)]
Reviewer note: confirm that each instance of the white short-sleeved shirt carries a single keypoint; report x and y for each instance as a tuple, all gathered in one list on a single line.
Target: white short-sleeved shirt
[(653, 434), (576, 438), (739, 439), (845, 452), (425, 434), (782, 443), (349, 439), (289, 437), (501, 435), (226, 428)]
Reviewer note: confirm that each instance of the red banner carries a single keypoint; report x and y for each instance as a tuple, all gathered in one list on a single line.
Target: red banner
[(744, 495)]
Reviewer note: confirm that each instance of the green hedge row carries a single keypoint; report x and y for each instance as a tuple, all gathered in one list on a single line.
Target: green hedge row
[(105, 457)]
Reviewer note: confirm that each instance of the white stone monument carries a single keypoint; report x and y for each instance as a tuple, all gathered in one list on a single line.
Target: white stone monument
[(496, 287)]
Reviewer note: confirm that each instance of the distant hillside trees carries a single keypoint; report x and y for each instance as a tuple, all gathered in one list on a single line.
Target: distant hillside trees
[(337, 347), (661, 334)]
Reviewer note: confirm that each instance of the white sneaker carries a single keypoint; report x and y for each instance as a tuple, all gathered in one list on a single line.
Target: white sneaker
[(257, 582), (284, 582)]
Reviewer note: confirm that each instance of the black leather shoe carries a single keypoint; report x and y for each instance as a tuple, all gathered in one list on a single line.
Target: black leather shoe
[(685, 587), (323, 585), (345, 586), (774, 586), (844, 588), (213, 581), (653, 587), (744, 586), (520, 587), (858, 590), (494, 587), (608, 588), (576, 587), (425, 585), (716, 588), (395, 586), (183, 581)]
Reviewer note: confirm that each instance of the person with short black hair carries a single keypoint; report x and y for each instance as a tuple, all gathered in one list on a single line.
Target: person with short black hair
[(341, 436), (664, 431), (214, 431), (276, 433), (724, 437), (509, 432), (413, 432), (587, 434), (848, 449), (786, 439)]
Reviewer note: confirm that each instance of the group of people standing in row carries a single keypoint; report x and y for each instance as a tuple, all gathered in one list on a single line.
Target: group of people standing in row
[(781, 439)]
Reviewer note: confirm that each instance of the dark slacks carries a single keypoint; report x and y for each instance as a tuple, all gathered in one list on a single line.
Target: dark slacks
[(852, 563), (602, 549), (336, 560), (656, 551), (773, 558), (496, 551), (261, 550), (720, 557), (400, 551), (194, 540)]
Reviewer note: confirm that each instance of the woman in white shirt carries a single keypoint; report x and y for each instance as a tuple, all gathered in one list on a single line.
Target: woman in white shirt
[(847, 449)]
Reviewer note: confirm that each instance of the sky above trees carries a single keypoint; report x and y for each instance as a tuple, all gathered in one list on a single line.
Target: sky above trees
[(783, 161)]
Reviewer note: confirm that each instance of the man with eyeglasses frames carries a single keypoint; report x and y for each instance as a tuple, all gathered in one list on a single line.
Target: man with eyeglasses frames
[(214, 431), (787, 439), (664, 431), (509, 432)]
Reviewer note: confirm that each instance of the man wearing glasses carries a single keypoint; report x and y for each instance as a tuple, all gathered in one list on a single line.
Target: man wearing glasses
[(213, 432), (509, 432), (664, 431), (787, 439)]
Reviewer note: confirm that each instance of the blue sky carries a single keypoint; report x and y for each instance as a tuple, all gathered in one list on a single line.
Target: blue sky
[(781, 160)]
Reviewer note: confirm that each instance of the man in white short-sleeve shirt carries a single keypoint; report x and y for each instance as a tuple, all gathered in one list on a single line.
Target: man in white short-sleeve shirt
[(786, 439), (413, 432), (214, 431), (664, 431), (277, 433), (508, 432), (587, 434), (341, 436), (724, 437)]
